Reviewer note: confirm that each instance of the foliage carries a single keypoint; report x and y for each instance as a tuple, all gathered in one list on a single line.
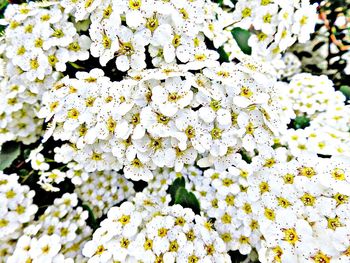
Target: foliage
[(179, 195), (9, 152), (241, 36)]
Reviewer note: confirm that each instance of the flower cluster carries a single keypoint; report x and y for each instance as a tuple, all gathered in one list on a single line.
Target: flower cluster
[(238, 152), (298, 214), (287, 66), (310, 94), (156, 119), (58, 235), (314, 97), (102, 190), (16, 210), (304, 211), (37, 44), (171, 31), (276, 24), (163, 178), (144, 230)]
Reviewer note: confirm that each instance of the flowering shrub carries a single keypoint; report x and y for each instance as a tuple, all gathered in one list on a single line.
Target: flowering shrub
[(174, 131)]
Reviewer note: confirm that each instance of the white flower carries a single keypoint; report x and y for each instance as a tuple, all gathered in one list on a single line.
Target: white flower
[(284, 37), (131, 52), (104, 43), (137, 170), (45, 248), (77, 49), (244, 13), (266, 19), (60, 35), (96, 251), (251, 130), (156, 123), (191, 130), (37, 160), (36, 65), (174, 95), (304, 21), (84, 7)]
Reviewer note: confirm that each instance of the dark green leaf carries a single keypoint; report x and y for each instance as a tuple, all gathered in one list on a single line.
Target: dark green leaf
[(17, 1), (245, 156), (346, 91), (224, 57), (91, 219), (187, 199), (22, 172), (301, 122), (26, 153), (9, 152), (241, 36), (236, 257), (178, 182), (3, 4)]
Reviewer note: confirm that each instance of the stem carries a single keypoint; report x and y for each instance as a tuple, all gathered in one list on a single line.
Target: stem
[(27, 176)]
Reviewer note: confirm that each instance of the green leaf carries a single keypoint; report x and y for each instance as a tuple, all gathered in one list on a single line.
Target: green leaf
[(91, 219), (22, 172), (9, 152), (301, 122), (245, 156), (241, 36), (178, 182), (346, 91), (187, 199), (237, 257), (26, 153), (224, 57), (3, 4)]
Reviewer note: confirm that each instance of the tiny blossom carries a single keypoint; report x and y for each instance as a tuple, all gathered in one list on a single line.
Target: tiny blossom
[(327, 110), (58, 234), (48, 41), (162, 233), (273, 213), (17, 207), (169, 97), (104, 189), (48, 178), (277, 24)]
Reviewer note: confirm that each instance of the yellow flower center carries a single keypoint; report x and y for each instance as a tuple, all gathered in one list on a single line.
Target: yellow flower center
[(246, 12), (338, 174), (162, 232), (290, 235), (308, 200), (124, 219), (135, 4), (148, 244), (307, 171)]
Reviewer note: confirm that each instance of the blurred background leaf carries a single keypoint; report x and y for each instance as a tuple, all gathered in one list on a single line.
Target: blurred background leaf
[(187, 199), (241, 36), (9, 152), (301, 122), (346, 91)]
